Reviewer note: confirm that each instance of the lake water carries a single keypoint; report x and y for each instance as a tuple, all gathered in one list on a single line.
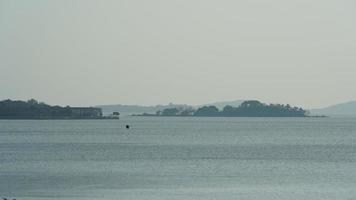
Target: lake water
[(179, 158)]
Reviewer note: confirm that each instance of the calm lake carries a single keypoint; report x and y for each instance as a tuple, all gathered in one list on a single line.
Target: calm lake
[(179, 158)]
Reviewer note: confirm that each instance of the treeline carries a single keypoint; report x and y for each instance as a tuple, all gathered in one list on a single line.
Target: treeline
[(32, 109), (246, 109)]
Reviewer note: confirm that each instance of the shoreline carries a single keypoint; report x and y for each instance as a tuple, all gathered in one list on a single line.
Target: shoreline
[(104, 118), (234, 116)]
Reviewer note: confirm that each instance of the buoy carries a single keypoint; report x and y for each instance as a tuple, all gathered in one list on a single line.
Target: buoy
[(127, 127)]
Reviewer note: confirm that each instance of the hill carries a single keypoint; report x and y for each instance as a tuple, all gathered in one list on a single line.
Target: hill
[(343, 109)]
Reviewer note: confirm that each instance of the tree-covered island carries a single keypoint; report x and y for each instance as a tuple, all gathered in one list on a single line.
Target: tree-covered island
[(32, 109), (246, 109)]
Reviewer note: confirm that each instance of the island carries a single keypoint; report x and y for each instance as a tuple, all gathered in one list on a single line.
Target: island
[(32, 109), (252, 108)]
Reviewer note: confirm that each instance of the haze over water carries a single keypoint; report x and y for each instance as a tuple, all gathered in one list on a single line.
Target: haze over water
[(179, 158), (89, 52)]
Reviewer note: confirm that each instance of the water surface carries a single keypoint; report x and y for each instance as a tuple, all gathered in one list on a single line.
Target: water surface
[(179, 158)]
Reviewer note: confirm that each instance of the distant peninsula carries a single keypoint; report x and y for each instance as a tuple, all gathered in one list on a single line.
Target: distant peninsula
[(251, 108), (32, 109)]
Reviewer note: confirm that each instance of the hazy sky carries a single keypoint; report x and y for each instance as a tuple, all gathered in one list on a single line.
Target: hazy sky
[(82, 52)]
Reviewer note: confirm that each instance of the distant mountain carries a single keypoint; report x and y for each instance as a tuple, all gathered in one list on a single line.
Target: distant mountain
[(343, 109), (138, 109)]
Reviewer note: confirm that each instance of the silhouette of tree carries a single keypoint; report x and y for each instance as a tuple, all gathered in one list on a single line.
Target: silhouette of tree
[(207, 111), (32, 109), (251, 108), (170, 112)]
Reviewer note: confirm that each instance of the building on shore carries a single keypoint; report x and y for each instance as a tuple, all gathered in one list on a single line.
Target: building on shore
[(86, 112)]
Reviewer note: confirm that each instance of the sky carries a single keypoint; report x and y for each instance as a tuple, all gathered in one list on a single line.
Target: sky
[(91, 52)]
